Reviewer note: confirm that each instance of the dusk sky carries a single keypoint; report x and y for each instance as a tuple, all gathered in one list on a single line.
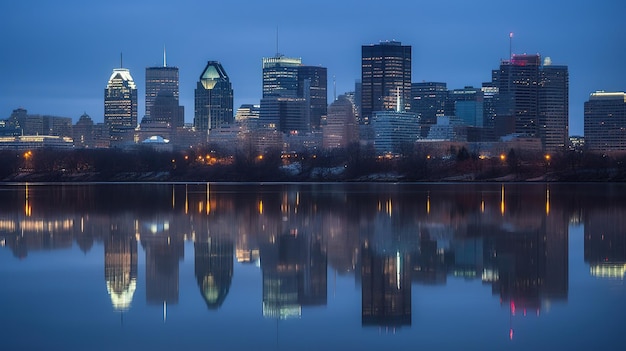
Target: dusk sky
[(57, 56)]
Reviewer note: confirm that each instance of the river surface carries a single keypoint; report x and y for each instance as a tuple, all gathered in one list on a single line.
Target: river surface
[(312, 266)]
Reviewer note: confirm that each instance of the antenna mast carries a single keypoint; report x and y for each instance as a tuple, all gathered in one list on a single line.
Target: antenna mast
[(164, 57), (277, 51), (334, 88), (510, 45), (121, 64)]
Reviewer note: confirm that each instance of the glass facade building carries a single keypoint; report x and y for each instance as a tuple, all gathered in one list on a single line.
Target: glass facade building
[(280, 76), (554, 107), (535, 98), (312, 86), (162, 96), (428, 100), (385, 73), (213, 98), (120, 105), (605, 121), (393, 130)]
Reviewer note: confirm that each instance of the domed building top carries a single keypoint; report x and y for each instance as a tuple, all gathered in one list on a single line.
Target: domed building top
[(121, 299)]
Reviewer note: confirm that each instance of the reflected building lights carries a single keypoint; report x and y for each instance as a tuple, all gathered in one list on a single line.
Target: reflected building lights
[(547, 201), (502, 200), (608, 271)]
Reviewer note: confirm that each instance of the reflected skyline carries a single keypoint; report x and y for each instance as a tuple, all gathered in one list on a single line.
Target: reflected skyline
[(392, 238)]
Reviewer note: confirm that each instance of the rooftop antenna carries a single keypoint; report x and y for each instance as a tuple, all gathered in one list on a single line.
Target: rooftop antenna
[(121, 65), (164, 57), (277, 51), (334, 88), (510, 45)]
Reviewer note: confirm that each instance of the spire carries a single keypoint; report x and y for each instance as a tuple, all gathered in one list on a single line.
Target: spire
[(121, 61), (164, 57), (334, 88)]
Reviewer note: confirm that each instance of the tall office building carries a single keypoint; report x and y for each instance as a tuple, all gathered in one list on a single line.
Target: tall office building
[(605, 121), (554, 106), (120, 105), (341, 127), (312, 86), (518, 84), (213, 98), (533, 99), (162, 96), (385, 72), (428, 101), (467, 105), (284, 113), (280, 76), (289, 83)]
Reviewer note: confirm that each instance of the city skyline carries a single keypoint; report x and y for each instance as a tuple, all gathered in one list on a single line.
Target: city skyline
[(70, 54)]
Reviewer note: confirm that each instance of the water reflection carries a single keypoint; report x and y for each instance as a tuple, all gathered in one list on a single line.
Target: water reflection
[(392, 238)]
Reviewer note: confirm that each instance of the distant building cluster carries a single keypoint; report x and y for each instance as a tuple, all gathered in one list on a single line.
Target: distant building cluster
[(526, 99)]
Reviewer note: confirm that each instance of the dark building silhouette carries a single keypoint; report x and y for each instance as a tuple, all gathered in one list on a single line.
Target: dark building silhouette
[(605, 242), (213, 98), (162, 97), (294, 275), (84, 132), (386, 288), (163, 254), (312, 86), (385, 73)]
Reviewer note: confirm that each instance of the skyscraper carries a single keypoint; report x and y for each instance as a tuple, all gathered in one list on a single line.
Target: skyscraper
[(296, 88), (162, 96), (312, 86), (280, 76), (605, 121), (120, 105), (518, 84), (341, 127), (213, 98), (554, 106), (535, 98), (428, 100), (385, 71)]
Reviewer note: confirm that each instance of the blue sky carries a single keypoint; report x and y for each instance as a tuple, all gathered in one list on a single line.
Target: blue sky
[(58, 55)]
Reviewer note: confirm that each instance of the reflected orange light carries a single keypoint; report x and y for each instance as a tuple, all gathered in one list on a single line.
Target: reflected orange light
[(260, 207), (502, 200), (547, 201)]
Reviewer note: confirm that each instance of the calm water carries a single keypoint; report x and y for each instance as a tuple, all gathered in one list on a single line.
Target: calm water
[(312, 266)]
